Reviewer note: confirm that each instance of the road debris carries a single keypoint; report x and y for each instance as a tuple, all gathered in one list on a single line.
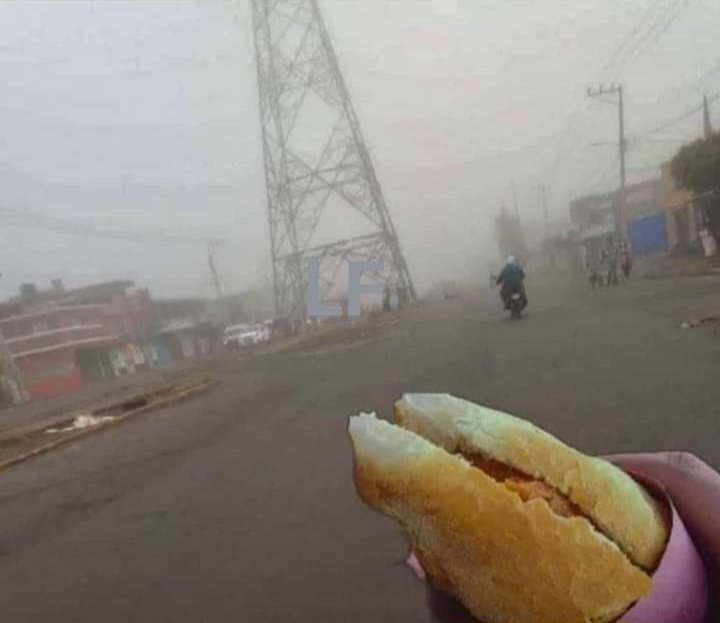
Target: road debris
[(696, 322), (25, 442), (80, 422)]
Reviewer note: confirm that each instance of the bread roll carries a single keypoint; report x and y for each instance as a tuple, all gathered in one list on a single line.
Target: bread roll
[(507, 560), (616, 504)]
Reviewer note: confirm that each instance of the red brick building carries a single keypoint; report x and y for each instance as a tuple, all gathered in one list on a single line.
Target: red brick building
[(60, 340), (50, 346)]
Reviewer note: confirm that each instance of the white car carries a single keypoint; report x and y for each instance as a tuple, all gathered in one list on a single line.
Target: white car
[(244, 335)]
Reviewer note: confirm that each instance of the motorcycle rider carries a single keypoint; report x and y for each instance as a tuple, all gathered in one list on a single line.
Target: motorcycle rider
[(511, 279)]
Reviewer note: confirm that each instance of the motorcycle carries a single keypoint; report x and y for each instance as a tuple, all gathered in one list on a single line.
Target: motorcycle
[(516, 302)]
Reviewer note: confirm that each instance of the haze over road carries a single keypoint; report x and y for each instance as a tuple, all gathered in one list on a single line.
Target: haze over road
[(239, 505)]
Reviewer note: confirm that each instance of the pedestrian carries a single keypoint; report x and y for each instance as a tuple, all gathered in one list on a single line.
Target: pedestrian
[(610, 259), (386, 303), (625, 259), (708, 242), (594, 275)]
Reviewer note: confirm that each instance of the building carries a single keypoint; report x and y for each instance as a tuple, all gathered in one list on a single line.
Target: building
[(58, 340), (185, 338), (56, 347), (186, 328), (593, 218), (645, 218), (683, 216), (592, 221)]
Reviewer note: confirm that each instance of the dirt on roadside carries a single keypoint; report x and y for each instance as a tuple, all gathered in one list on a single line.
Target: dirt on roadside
[(40, 435)]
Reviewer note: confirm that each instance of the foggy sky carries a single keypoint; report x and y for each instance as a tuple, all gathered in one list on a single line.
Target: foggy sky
[(143, 116)]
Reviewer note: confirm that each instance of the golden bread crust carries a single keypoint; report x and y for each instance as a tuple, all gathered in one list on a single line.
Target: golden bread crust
[(506, 560), (620, 507)]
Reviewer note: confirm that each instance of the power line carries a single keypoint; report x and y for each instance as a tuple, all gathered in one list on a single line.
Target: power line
[(643, 137), (629, 49), (675, 120), (626, 47), (679, 92), (619, 50), (660, 28), (563, 135), (656, 20)]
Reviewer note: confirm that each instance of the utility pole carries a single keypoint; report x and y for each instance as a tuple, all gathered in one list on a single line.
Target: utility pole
[(707, 124), (213, 269), (616, 89), (211, 246)]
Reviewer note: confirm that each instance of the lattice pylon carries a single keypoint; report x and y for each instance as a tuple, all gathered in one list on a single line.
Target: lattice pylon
[(319, 177)]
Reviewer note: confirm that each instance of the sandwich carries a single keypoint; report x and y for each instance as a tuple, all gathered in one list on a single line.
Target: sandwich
[(508, 519)]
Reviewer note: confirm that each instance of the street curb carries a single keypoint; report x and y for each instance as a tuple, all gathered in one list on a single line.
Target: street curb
[(181, 396)]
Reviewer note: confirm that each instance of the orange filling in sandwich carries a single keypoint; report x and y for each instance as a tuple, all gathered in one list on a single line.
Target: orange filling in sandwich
[(525, 486)]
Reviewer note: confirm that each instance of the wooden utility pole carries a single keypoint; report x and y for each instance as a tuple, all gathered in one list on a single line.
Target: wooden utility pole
[(217, 283), (707, 124), (616, 89), (213, 270)]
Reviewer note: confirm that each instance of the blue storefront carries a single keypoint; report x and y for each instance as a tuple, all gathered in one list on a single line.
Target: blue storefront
[(648, 235)]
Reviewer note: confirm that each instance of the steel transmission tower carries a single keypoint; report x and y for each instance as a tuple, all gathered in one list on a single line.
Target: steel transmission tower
[(324, 200)]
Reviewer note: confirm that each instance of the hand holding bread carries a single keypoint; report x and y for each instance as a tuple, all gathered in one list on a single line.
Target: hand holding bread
[(505, 517)]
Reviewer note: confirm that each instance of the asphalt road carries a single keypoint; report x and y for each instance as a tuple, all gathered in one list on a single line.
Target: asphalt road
[(239, 505)]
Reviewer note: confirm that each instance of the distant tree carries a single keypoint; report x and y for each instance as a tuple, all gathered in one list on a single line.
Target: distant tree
[(696, 167)]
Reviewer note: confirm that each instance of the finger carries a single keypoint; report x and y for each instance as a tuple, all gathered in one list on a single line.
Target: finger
[(694, 488)]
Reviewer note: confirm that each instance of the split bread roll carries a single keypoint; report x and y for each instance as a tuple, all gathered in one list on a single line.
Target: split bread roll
[(514, 523)]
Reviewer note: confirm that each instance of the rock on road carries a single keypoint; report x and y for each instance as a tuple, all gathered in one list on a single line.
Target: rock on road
[(239, 505)]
